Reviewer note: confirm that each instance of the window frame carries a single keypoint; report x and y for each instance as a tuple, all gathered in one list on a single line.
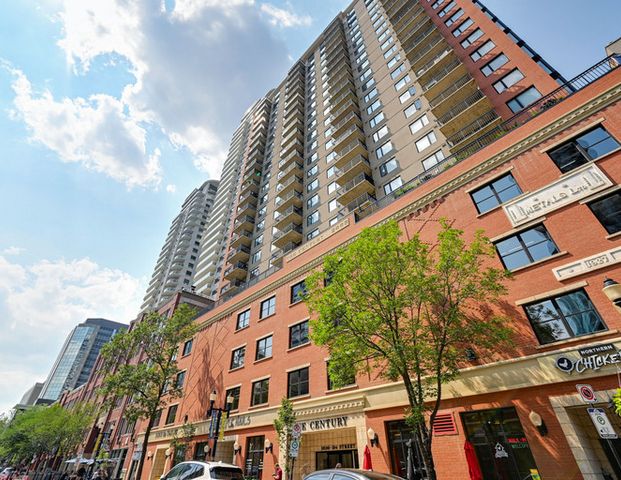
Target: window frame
[(271, 307), (495, 192), (238, 358), (239, 315), (300, 382), (262, 350), (291, 333), (525, 248), (264, 385)]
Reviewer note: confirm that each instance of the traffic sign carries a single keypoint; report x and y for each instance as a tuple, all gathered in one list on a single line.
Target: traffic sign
[(586, 393), (297, 430), (294, 448), (602, 424)]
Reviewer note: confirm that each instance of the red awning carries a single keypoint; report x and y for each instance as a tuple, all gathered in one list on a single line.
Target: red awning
[(366, 461), (473, 462)]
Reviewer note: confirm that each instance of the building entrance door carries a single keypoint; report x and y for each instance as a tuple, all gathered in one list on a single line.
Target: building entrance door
[(254, 457), (347, 459), (500, 444)]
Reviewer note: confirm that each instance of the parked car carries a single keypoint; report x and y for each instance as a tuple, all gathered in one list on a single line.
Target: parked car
[(349, 474), (4, 474), (204, 471)]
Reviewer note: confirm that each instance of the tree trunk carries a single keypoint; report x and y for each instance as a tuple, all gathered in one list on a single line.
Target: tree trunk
[(145, 443), (425, 449)]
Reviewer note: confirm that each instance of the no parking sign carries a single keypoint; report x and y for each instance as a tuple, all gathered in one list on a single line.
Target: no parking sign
[(586, 393)]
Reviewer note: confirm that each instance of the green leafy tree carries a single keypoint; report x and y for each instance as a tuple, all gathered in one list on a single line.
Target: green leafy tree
[(283, 423), (408, 312), (141, 363)]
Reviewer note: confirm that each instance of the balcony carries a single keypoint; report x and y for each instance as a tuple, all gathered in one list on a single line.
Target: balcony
[(350, 135), (334, 51), (233, 287), (292, 183), (294, 134), (291, 126), (293, 169), (250, 174), (237, 271), (353, 168), (418, 35), (463, 82), (282, 203), (249, 186), (294, 157), (361, 202), (404, 17), (482, 124), (421, 57), (341, 113), (291, 215), (239, 254), (296, 114), (346, 154), (337, 83), (343, 67), (292, 147), (337, 90), (442, 75), (297, 87), (243, 238), (464, 112), (255, 163), (338, 101), (338, 60), (278, 255), (243, 223), (352, 119), (355, 188), (292, 233), (249, 207)]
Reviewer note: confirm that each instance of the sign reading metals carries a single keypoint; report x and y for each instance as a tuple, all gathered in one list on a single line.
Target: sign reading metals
[(574, 186)]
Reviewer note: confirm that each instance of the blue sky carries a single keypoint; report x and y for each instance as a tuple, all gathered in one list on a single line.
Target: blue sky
[(111, 112)]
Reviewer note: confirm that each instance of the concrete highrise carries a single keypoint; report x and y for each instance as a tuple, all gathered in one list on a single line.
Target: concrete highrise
[(178, 258), (390, 93), (77, 357)]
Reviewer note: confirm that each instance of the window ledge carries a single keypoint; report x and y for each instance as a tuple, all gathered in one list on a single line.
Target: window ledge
[(243, 328), (298, 347), (613, 236), (576, 339), (300, 397), (259, 405), (296, 302), (188, 354), (263, 359), (266, 317), (539, 262), (236, 368), (342, 389)]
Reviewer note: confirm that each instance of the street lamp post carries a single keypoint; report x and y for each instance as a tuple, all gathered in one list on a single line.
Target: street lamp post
[(218, 411)]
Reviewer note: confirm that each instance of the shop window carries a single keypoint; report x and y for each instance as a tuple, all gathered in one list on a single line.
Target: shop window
[(582, 149), (608, 211), (496, 192), (260, 392), (297, 383), (298, 334), (564, 316), (234, 393), (400, 439), (526, 247)]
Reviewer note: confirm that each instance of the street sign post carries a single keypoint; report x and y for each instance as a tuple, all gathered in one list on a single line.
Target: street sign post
[(586, 393), (602, 424), (294, 448)]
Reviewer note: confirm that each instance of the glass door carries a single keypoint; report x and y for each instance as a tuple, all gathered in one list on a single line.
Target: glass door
[(254, 457), (346, 459)]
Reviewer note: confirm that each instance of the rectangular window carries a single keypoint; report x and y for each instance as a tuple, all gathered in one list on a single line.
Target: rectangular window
[(298, 291), (473, 37), (312, 234), (587, 146), (392, 185), (371, 95), (297, 383), (432, 160), (237, 357), (333, 205), (368, 84), (314, 200), (330, 172), (386, 43), (311, 172), (381, 133), (453, 18), (180, 380), (260, 392), (524, 99), (333, 221), (397, 71), (156, 418), (234, 394), (412, 109), (172, 413), (312, 218), (526, 247), (312, 185), (608, 211), (268, 307), (376, 119), (446, 9), (463, 27), (496, 192), (419, 123), (350, 380), (256, 257), (298, 334), (387, 167), (393, 61), (384, 149), (187, 347), (390, 51), (402, 83), (404, 97), (564, 316), (426, 141), (494, 65), (264, 348), (243, 319), (508, 80), (374, 106)]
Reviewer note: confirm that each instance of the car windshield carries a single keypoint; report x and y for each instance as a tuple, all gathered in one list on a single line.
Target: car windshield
[(226, 473)]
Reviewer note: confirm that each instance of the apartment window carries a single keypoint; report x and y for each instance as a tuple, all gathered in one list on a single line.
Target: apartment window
[(298, 334), (426, 141), (368, 84), (374, 106), (172, 413), (482, 50), (564, 316), (496, 192), (156, 419), (314, 200), (262, 211), (473, 37), (412, 109), (264, 348), (268, 307), (390, 51), (312, 185), (524, 99), (243, 319), (297, 383), (383, 36), (445, 10), (187, 347), (234, 394), (419, 123), (256, 257), (494, 65), (312, 218), (608, 211), (526, 247), (386, 43), (260, 392), (333, 205), (393, 61), (381, 133), (180, 380), (312, 171), (350, 380), (298, 291), (433, 159), (330, 157), (312, 234), (384, 149), (508, 80), (392, 185), (329, 144), (237, 357), (254, 273), (582, 149), (333, 221), (453, 18), (463, 27), (404, 97), (397, 71), (389, 166), (376, 119), (258, 241), (330, 172), (371, 95)]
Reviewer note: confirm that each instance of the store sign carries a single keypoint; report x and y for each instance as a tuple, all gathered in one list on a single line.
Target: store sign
[(238, 421), (324, 424), (588, 264), (592, 358), (318, 239), (578, 184), (342, 446)]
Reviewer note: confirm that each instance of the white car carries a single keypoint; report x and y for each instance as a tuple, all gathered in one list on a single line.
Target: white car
[(204, 471)]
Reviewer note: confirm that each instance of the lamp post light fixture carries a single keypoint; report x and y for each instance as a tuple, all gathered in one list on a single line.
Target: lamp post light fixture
[(612, 290), (373, 437), (269, 447), (236, 448), (218, 412), (538, 422)]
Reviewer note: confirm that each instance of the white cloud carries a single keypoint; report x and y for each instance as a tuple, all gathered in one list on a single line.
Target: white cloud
[(285, 18), (171, 188), (13, 251), (42, 302), (95, 132)]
